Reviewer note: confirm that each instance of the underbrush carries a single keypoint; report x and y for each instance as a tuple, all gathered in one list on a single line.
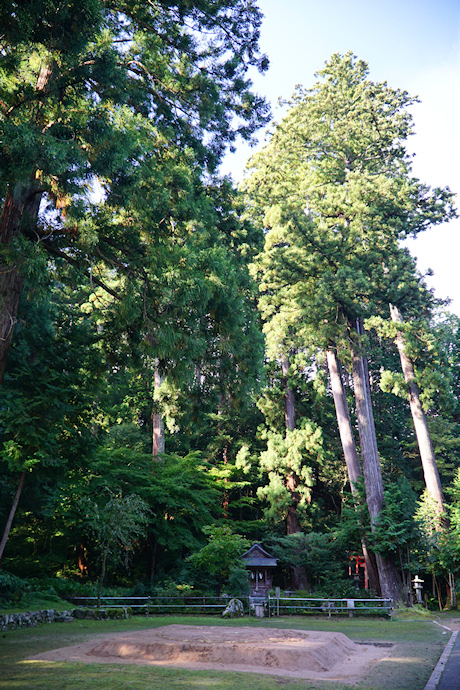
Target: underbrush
[(17, 594), (413, 613)]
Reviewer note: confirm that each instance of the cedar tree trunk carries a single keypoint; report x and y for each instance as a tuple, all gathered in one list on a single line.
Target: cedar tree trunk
[(343, 421), (289, 408), (9, 522), (19, 214), (102, 577), (390, 582), (349, 450), (158, 430), (430, 470)]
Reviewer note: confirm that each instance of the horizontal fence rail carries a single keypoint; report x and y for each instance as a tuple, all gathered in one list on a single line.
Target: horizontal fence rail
[(271, 606), (298, 605), (163, 604)]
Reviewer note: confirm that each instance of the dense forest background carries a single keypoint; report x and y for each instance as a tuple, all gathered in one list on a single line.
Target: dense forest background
[(188, 367)]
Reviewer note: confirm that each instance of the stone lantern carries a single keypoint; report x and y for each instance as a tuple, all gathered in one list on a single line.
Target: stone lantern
[(417, 582)]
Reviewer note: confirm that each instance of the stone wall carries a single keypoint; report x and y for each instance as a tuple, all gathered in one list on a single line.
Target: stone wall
[(11, 621)]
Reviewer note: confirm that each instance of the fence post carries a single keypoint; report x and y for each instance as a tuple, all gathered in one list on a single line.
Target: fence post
[(350, 607)]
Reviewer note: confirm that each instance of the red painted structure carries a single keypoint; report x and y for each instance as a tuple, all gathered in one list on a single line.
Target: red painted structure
[(359, 562)]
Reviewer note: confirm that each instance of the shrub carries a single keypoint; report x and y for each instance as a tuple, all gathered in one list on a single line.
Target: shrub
[(12, 588), (238, 584)]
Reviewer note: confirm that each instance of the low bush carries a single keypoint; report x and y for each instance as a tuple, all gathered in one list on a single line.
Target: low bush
[(12, 588), (167, 588)]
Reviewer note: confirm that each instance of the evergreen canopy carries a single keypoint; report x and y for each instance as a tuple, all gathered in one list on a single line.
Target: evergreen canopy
[(334, 191)]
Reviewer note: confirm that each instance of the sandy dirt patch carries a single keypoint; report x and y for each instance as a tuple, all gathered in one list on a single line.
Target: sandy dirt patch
[(290, 653), (452, 624)]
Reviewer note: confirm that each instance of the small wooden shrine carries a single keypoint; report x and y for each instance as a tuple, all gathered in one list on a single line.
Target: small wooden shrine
[(261, 565)]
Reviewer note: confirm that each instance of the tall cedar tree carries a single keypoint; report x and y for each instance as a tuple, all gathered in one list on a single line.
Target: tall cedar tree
[(334, 191), (112, 90), (140, 101)]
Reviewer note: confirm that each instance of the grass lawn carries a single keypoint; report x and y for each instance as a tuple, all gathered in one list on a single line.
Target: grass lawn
[(420, 645)]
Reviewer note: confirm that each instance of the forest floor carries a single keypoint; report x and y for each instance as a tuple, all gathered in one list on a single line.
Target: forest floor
[(396, 654)]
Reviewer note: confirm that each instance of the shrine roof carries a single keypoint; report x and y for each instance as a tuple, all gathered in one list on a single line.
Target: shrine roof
[(257, 556), (265, 562)]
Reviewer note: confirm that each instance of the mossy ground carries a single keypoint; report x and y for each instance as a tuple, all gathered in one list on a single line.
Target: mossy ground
[(409, 667)]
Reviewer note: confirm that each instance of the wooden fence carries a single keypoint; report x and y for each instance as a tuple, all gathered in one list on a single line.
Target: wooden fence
[(303, 605)]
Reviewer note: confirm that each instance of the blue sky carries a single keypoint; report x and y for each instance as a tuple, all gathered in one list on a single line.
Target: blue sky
[(411, 44)]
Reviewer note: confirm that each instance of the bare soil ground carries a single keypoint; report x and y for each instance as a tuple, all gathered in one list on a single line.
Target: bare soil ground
[(452, 624), (302, 654)]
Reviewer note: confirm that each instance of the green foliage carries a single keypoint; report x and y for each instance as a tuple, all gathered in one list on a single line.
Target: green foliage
[(100, 89), (46, 417), (439, 547), (45, 406), (310, 452), (152, 271), (396, 528), (238, 584), (393, 382), (116, 122), (117, 525), (183, 499), (334, 191), (354, 521), (180, 495), (428, 340), (146, 102), (294, 453), (449, 537), (165, 588), (429, 522), (63, 587), (321, 555), (221, 555), (12, 588)]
